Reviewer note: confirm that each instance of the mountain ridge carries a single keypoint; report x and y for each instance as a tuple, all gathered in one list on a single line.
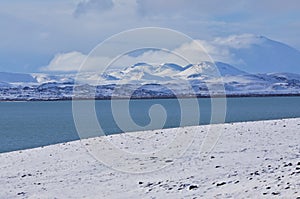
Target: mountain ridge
[(255, 54), (150, 81), (232, 55)]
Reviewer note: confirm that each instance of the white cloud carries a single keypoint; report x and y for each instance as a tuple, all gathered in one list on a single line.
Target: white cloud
[(239, 41), (247, 52), (192, 52), (65, 62), (73, 61), (82, 24), (76, 61), (86, 6)]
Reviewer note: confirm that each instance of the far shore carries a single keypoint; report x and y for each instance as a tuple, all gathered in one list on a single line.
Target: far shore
[(151, 97)]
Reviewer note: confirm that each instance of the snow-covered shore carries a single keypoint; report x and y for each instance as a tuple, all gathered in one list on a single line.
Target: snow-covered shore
[(251, 159)]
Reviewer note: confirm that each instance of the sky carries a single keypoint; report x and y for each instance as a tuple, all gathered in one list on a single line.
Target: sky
[(36, 35)]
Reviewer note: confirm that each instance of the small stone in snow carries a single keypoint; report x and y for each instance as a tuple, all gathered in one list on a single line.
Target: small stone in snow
[(288, 165), (193, 187), (221, 184), (149, 184), (275, 193)]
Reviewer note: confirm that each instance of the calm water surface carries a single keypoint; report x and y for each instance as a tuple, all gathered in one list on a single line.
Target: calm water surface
[(32, 124)]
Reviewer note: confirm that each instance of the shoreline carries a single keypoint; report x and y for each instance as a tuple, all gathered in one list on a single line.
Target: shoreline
[(167, 129), (251, 159), (156, 97)]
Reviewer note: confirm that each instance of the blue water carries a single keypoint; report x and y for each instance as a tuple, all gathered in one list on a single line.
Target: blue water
[(32, 124)]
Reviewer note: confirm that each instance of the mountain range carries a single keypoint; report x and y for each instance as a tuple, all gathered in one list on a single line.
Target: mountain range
[(170, 79)]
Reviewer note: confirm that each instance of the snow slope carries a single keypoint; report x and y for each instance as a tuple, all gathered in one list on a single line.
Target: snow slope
[(251, 160)]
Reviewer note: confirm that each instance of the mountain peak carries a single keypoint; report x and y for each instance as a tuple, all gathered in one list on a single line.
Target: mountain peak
[(254, 53), (172, 66), (140, 64)]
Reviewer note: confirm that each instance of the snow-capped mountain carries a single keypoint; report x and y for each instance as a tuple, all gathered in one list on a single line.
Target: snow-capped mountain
[(254, 53), (147, 80), (163, 79), (168, 72)]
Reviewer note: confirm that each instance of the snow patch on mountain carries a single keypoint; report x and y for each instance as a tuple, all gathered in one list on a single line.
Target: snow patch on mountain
[(233, 56), (148, 80)]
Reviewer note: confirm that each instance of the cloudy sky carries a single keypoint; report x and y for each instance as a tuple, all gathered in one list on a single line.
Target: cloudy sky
[(34, 33)]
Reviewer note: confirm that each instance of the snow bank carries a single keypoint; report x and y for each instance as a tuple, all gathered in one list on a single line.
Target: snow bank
[(251, 159)]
